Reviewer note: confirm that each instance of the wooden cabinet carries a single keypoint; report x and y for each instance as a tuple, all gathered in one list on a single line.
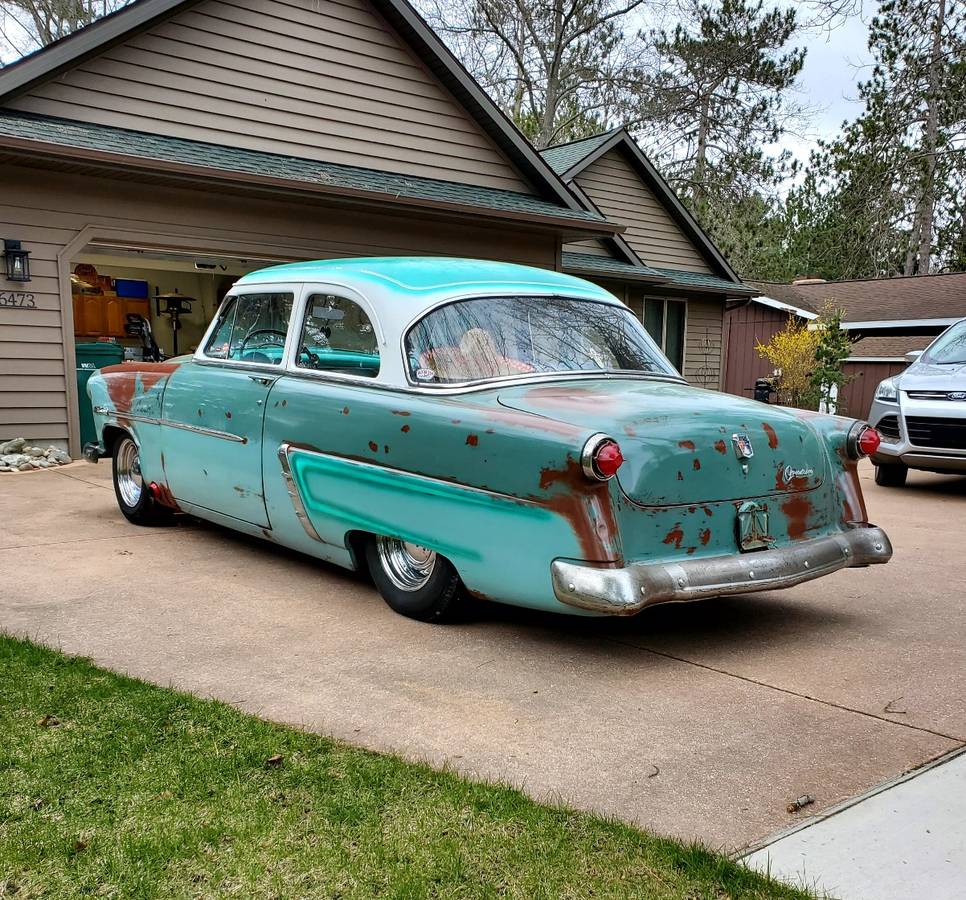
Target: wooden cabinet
[(98, 316), (114, 316)]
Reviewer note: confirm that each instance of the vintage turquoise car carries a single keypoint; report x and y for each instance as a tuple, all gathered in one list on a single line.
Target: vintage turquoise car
[(474, 429)]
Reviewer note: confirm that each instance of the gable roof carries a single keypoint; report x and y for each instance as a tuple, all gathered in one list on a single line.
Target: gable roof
[(107, 32), (913, 298), (570, 159)]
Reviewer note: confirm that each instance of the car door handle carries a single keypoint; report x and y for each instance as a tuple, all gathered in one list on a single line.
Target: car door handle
[(262, 379)]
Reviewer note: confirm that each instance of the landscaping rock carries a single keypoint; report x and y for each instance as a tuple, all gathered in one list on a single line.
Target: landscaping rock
[(33, 451), (25, 467), (14, 459), (60, 457), (13, 446)]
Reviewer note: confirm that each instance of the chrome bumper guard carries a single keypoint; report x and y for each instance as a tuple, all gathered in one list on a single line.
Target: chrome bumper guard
[(628, 590)]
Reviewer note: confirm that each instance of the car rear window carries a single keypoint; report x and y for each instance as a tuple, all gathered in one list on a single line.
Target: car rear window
[(501, 337)]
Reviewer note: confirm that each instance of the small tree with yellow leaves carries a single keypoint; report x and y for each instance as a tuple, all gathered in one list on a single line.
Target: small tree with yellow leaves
[(792, 352)]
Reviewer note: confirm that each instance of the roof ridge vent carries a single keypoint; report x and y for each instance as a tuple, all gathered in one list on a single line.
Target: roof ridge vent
[(800, 281)]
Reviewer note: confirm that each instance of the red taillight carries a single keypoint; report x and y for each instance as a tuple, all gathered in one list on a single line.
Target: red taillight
[(869, 441), (862, 440), (608, 460), (601, 457)]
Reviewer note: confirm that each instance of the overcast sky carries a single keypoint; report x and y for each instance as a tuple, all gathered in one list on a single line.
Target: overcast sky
[(834, 64)]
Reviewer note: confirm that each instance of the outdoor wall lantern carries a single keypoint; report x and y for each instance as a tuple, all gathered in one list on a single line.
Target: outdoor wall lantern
[(18, 261)]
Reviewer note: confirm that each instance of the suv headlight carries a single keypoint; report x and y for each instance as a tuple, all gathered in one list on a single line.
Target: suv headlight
[(887, 391)]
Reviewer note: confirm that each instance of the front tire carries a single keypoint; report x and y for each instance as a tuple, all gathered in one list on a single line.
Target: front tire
[(415, 581), (133, 495), (891, 475)]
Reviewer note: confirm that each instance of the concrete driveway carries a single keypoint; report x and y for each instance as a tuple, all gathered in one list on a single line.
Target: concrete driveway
[(701, 721)]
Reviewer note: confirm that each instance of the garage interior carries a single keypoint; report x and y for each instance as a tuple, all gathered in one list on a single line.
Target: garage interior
[(115, 288)]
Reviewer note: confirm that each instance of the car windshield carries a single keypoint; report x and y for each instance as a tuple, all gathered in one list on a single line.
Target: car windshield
[(949, 348), (499, 337)]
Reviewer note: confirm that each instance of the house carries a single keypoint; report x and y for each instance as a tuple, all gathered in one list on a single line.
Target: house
[(663, 265), (886, 317)]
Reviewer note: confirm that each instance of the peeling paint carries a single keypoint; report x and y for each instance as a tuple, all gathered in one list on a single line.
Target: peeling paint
[(472, 440), (721, 447), (674, 536), (772, 435)]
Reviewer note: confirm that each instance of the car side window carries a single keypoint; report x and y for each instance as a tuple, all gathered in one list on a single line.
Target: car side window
[(252, 328), (337, 336)]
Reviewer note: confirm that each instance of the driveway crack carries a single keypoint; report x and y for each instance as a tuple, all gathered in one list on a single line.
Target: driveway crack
[(774, 687)]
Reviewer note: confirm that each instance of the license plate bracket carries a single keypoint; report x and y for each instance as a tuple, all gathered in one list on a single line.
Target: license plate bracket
[(751, 526)]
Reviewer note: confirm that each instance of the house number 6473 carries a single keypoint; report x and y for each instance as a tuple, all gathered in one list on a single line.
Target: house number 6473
[(17, 298)]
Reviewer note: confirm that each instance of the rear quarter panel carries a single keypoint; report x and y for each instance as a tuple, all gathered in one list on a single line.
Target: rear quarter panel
[(498, 492)]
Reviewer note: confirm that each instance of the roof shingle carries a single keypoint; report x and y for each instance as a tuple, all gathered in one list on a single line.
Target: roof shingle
[(87, 136), (901, 299), (564, 157)]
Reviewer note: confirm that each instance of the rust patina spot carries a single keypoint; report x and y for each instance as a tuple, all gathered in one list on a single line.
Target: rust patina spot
[(772, 437), (385, 448), (797, 510), (373, 446), (472, 440), (586, 506), (721, 447), (285, 403), (162, 493), (704, 536), (227, 413), (686, 445), (401, 412), (404, 429), (708, 511), (696, 465), (345, 410), (680, 475), (674, 536)]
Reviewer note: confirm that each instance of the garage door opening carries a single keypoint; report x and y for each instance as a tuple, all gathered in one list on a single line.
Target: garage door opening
[(140, 299)]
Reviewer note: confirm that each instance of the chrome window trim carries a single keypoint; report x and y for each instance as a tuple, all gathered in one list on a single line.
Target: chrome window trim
[(478, 386), (293, 288), (517, 379)]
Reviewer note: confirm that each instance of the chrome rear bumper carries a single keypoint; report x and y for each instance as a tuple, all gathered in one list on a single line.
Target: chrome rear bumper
[(628, 590)]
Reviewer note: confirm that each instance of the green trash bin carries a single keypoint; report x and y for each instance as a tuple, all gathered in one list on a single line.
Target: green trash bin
[(90, 358)]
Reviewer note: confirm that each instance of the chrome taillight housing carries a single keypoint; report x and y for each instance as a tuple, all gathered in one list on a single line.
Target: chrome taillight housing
[(601, 457), (863, 440)]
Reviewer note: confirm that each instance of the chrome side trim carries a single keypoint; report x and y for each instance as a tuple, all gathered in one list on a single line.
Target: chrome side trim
[(293, 492), (150, 420), (630, 589)]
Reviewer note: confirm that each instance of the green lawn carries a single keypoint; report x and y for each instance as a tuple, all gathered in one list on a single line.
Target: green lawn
[(138, 791)]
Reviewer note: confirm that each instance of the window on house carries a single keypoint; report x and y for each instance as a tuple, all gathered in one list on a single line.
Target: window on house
[(665, 322)]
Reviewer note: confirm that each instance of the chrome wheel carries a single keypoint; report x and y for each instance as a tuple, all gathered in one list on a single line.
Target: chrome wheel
[(128, 473), (408, 566)]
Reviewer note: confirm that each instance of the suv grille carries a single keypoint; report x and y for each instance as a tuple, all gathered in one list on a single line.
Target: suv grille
[(928, 432), (936, 395), (888, 427)]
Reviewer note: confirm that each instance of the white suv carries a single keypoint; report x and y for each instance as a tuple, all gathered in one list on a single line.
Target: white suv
[(921, 413)]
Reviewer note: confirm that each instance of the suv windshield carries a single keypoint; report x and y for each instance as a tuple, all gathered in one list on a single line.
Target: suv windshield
[(498, 337), (949, 348)]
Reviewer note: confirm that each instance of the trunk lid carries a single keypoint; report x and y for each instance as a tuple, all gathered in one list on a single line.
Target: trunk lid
[(679, 442)]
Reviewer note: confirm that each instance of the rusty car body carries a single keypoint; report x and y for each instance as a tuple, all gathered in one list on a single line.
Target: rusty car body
[(474, 428)]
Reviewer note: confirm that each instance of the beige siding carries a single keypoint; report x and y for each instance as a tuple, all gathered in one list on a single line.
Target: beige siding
[(320, 79), (702, 343), (47, 211), (593, 247), (614, 185)]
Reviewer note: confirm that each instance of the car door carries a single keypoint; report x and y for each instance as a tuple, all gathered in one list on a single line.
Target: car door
[(214, 408)]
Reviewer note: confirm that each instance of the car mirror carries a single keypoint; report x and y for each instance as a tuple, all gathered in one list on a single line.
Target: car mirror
[(913, 355)]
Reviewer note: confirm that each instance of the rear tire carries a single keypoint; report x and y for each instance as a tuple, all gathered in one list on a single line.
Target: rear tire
[(416, 582), (133, 496), (891, 475)]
